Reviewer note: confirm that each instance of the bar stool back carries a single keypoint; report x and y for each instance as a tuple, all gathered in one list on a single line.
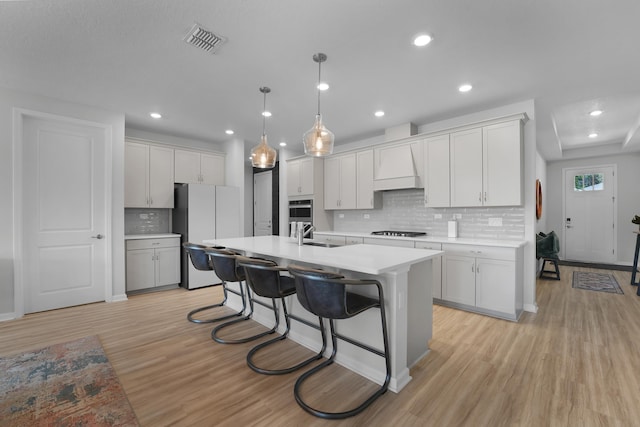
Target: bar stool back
[(265, 279), (201, 261), (325, 294)]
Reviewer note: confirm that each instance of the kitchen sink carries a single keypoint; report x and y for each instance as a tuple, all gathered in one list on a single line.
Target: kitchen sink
[(321, 244)]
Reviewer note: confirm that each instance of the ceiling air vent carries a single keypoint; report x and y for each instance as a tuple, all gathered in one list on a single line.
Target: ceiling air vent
[(203, 39)]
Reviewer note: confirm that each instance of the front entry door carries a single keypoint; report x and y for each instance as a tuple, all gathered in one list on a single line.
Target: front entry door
[(589, 214), (262, 209), (65, 247)]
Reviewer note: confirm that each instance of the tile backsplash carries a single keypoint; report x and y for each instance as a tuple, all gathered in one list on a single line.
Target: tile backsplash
[(146, 221), (404, 210)]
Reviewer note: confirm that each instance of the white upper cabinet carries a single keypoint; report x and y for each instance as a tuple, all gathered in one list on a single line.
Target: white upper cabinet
[(436, 175), (301, 176), (486, 165), (212, 169), (192, 167), (340, 182), (148, 176), (466, 168), (366, 198), (502, 159)]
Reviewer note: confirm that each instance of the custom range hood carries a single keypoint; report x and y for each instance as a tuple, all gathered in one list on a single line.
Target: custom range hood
[(398, 165)]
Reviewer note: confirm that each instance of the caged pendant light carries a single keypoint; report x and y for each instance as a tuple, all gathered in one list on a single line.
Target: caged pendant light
[(262, 155), (318, 141)]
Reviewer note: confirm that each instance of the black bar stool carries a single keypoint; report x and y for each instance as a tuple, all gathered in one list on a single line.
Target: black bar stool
[(264, 279), (201, 261), (324, 294), (226, 267)]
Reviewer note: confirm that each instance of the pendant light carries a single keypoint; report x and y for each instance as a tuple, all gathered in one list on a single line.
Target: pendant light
[(262, 155), (318, 141)]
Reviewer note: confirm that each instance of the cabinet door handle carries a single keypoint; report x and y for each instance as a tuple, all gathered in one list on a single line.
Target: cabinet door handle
[(98, 236), (472, 269), (480, 196), (485, 196), (150, 201)]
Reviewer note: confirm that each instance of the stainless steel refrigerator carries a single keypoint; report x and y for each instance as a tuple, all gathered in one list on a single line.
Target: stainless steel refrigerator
[(204, 212)]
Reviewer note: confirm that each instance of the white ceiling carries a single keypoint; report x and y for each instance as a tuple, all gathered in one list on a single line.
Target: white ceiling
[(129, 56)]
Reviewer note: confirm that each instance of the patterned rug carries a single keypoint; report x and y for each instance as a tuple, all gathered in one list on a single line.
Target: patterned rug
[(596, 282), (68, 384)]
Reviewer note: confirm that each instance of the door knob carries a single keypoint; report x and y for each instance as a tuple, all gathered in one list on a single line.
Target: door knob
[(99, 236)]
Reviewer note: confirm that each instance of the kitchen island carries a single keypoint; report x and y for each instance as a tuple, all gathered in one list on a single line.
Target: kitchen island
[(406, 276)]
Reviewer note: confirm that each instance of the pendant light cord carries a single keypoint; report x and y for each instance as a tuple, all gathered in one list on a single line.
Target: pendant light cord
[(319, 81), (264, 117)]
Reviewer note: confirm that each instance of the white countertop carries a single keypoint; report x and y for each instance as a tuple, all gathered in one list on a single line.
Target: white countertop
[(432, 239), (370, 259), (150, 236)]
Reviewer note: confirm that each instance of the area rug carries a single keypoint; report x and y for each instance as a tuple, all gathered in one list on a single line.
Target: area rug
[(68, 384), (596, 282)]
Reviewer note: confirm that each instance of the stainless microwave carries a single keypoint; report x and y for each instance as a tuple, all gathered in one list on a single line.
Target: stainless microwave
[(301, 210)]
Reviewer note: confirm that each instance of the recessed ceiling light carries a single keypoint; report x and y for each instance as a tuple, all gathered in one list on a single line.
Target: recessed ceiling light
[(229, 132), (283, 144), (323, 86), (422, 40), (593, 135), (379, 113), (156, 115), (595, 113), (465, 87), (266, 113)]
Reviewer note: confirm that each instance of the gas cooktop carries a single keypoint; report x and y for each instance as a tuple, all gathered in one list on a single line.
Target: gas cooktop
[(399, 233)]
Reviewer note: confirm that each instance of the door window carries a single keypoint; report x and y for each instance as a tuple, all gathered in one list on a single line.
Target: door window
[(588, 182)]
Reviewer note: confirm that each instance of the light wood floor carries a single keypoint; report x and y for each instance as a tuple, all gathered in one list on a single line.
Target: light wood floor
[(574, 363)]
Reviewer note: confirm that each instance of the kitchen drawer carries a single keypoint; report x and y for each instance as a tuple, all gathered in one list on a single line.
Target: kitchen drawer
[(477, 251), (329, 238), (153, 243), (351, 240), (389, 242), (429, 245)]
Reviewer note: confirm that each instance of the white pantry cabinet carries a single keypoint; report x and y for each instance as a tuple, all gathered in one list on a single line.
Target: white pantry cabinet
[(340, 182), (193, 167), (486, 279), (305, 177), (148, 181), (152, 263), (486, 165)]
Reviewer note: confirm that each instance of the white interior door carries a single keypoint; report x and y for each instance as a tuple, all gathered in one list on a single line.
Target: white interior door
[(262, 204), (65, 250), (589, 214)]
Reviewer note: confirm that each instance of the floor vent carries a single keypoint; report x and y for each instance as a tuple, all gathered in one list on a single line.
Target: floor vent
[(204, 39)]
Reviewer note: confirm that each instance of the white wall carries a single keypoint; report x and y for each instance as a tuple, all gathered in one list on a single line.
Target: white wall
[(9, 100), (628, 167)]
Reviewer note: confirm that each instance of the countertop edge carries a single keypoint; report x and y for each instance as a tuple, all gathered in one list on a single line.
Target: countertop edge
[(432, 239), (150, 236)]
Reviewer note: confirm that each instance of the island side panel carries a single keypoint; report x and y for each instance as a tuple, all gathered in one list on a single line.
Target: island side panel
[(419, 311)]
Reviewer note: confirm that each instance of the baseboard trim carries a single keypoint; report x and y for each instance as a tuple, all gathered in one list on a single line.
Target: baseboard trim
[(531, 308), (118, 298), (7, 316), (597, 265)]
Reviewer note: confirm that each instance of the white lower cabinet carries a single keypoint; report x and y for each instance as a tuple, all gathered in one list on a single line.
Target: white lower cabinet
[(483, 278), (152, 263)]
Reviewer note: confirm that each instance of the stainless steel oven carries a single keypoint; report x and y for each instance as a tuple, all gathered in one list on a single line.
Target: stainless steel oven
[(301, 210)]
